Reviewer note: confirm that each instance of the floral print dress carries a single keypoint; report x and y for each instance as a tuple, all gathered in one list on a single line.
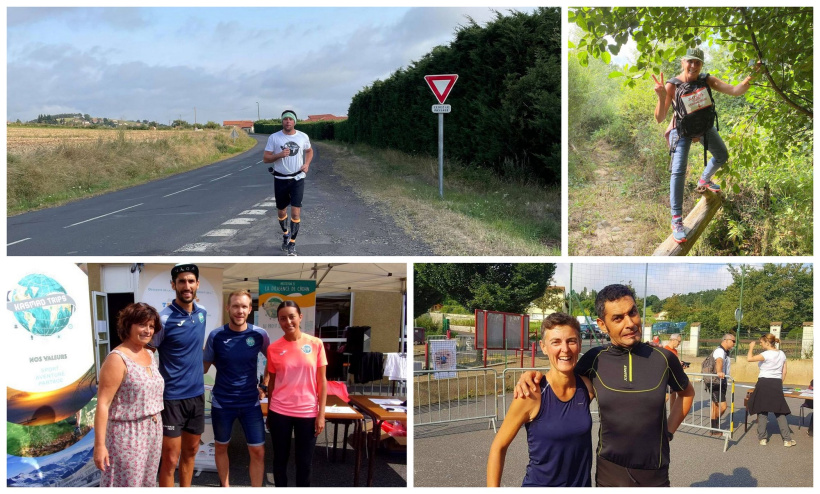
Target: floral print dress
[(134, 433)]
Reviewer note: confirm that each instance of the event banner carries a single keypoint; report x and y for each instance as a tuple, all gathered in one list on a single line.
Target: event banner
[(51, 393), (274, 292)]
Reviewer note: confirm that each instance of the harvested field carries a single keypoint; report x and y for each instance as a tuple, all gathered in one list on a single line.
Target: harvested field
[(24, 139)]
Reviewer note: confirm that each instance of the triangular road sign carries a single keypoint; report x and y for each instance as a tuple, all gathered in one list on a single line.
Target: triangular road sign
[(441, 85)]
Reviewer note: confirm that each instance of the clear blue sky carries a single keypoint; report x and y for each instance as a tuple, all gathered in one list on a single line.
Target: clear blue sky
[(160, 63)]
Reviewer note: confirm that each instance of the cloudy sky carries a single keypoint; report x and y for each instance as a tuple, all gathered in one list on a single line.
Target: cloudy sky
[(662, 280), (161, 63)]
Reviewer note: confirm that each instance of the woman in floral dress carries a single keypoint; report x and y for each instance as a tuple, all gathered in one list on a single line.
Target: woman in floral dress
[(128, 425)]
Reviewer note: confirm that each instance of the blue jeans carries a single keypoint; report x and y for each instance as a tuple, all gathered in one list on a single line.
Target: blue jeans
[(680, 158), (253, 424)]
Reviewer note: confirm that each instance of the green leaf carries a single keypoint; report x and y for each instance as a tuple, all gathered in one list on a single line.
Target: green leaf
[(615, 74), (606, 57), (736, 189), (571, 44)]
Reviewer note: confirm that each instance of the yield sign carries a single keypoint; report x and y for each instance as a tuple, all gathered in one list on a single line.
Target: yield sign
[(441, 85)]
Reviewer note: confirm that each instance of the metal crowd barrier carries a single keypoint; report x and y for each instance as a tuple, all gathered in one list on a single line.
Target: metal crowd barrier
[(384, 387), (509, 383), (699, 416), (442, 397)]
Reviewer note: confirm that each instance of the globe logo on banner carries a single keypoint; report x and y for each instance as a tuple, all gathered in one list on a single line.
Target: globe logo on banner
[(40, 305)]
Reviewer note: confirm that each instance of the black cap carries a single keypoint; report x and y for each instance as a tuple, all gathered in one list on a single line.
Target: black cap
[(184, 268)]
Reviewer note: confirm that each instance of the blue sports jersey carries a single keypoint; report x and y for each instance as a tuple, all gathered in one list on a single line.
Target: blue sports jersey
[(234, 354), (180, 351)]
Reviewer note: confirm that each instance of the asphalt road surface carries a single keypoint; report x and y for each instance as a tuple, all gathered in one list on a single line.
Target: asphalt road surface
[(225, 208)]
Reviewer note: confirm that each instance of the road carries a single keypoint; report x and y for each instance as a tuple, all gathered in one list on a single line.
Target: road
[(226, 208)]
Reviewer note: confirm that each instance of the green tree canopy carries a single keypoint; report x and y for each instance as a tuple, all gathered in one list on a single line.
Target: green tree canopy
[(499, 287)]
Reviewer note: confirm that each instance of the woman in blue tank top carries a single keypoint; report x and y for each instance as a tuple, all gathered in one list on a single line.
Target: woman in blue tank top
[(557, 419)]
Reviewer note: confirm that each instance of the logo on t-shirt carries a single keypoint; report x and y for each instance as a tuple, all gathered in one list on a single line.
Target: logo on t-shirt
[(201, 318), (306, 348), (294, 148), (249, 340)]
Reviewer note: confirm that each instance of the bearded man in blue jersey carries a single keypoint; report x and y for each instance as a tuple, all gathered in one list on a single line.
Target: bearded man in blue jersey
[(234, 349)]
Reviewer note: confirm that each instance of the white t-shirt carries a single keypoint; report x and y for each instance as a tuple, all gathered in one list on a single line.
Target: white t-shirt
[(772, 365), (727, 362), (297, 143)]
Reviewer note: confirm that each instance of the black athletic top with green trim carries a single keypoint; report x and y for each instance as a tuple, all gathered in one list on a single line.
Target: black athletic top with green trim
[(630, 385)]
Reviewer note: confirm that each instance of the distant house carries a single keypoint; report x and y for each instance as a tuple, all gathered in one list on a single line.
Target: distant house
[(326, 117), (246, 125)]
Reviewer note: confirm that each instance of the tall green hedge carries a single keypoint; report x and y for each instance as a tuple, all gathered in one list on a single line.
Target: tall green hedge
[(506, 104)]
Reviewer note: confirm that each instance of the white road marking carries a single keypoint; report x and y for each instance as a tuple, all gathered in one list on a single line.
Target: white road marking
[(224, 232), (223, 176), (183, 190), (103, 215), (243, 168), (260, 161), (17, 242), (258, 212), (265, 205), (195, 247), (240, 221)]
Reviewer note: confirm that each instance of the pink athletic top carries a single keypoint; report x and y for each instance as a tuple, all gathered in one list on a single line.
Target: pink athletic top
[(294, 365)]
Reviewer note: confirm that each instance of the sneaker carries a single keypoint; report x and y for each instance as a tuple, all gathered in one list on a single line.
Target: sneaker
[(677, 230), (763, 442), (789, 444), (708, 184), (285, 242), (291, 248)]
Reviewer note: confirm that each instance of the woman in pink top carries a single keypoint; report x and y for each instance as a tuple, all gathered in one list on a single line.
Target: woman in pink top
[(128, 425), (298, 392)]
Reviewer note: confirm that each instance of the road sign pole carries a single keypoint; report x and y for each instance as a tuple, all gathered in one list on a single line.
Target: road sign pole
[(441, 155)]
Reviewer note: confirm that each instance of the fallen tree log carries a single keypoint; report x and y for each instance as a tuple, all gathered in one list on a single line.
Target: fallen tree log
[(694, 224)]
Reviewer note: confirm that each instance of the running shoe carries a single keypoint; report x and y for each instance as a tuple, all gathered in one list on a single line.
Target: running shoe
[(708, 184), (285, 242), (763, 442), (292, 248), (677, 230), (789, 444)]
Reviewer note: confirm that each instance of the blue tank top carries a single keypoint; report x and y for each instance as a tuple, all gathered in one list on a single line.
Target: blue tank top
[(560, 440)]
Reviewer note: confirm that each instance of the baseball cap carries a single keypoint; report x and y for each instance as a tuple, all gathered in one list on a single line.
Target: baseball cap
[(693, 54), (184, 268)]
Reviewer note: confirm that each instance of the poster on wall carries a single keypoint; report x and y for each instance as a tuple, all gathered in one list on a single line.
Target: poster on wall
[(443, 356), (154, 288), (51, 395), (274, 292)]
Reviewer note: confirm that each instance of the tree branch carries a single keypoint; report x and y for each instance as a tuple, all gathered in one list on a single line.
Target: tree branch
[(774, 85)]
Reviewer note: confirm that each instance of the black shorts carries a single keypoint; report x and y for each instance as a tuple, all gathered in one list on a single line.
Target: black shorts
[(718, 391), (608, 474), (288, 192), (183, 415)]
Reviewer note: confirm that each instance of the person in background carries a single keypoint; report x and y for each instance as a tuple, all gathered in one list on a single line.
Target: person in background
[(768, 393), (556, 416), (674, 342), (127, 424), (297, 387), (723, 366)]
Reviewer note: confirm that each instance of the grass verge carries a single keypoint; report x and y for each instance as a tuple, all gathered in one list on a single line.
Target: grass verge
[(49, 176), (480, 214)]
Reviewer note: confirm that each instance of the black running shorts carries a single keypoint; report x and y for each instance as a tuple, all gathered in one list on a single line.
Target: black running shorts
[(608, 474), (288, 192), (183, 415)]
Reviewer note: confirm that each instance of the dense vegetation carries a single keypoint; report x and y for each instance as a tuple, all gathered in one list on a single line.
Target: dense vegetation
[(772, 293), (768, 131), (506, 104)]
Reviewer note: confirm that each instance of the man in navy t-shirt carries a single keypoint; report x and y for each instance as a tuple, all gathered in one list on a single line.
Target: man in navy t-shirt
[(234, 349), (180, 363)]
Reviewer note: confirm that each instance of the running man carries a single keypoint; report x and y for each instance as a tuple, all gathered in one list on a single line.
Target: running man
[(180, 364), (629, 379), (233, 349), (290, 152)]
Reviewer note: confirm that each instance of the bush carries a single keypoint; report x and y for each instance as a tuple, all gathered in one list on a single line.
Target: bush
[(430, 326)]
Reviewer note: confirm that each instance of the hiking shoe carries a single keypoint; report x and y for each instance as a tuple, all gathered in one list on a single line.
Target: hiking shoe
[(763, 442), (285, 242), (677, 230), (789, 444), (708, 185), (291, 248)]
